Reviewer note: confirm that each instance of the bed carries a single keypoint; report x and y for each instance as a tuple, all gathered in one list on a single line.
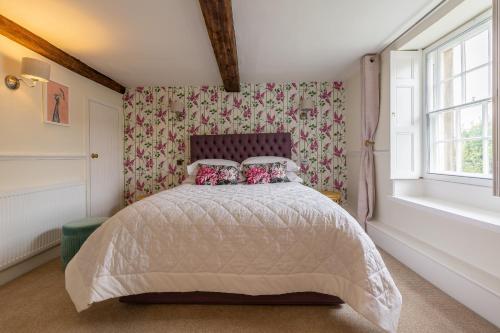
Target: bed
[(235, 244)]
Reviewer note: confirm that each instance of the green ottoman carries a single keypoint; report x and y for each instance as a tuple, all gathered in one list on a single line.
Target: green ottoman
[(74, 235)]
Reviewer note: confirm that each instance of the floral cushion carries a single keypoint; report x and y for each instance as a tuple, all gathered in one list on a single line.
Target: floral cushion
[(216, 175), (264, 173), (228, 175)]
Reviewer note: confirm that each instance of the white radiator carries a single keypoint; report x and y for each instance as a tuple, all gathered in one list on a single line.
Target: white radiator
[(31, 220)]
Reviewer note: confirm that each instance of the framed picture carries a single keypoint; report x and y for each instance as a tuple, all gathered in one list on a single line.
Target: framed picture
[(56, 104)]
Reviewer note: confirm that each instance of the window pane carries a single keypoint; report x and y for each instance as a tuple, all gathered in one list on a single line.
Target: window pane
[(431, 71), (458, 75), (451, 61), (442, 126), (471, 122), (451, 92), (472, 156), (443, 157), (477, 50), (477, 84)]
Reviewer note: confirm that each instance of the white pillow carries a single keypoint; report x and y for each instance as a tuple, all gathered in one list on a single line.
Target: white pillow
[(192, 168), (189, 180), (291, 166), (292, 176)]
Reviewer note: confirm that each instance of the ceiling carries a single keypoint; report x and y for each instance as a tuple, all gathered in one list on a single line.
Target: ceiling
[(165, 42), (463, 12)]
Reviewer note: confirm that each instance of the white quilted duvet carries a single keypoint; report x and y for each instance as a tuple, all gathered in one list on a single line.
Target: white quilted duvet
[(257, 239)]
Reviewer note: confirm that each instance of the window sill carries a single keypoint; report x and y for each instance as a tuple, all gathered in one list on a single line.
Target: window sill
[(475, 181), (483, 218)]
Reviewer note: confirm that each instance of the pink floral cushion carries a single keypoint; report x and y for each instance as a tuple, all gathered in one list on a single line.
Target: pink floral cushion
[(257, 174), (216, 175), (264, 173)]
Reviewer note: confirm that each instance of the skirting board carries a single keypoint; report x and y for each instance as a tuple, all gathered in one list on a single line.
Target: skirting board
[(27, 265), (465, 291)]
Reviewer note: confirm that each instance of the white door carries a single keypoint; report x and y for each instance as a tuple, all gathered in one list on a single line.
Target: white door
[(105, 160)]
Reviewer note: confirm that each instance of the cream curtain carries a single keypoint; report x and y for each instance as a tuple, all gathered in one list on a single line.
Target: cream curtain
[(496, 106), (370, 109)]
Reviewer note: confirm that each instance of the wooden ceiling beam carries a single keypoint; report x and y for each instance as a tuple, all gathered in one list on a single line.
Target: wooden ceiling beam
[(218, 15), (35, 43)]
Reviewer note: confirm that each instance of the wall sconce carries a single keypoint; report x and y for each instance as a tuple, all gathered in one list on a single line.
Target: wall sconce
[(177, 107), (306, 105), (32, 71)]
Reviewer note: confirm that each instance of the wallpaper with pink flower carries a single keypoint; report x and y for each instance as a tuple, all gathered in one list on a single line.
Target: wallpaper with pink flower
[(156, 140)]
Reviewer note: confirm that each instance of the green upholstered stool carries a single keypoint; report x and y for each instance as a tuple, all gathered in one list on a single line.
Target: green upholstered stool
[(74, 235)]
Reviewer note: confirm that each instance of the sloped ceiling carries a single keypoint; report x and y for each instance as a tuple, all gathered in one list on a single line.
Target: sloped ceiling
[(164, 42)]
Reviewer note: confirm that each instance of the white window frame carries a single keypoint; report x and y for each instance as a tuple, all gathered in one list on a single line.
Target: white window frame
[(468, 28)]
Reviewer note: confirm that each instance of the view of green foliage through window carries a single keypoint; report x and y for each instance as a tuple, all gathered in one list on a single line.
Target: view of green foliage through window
[(473, 151)]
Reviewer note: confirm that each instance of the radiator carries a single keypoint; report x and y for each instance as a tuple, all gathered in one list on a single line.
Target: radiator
[(31, 220)]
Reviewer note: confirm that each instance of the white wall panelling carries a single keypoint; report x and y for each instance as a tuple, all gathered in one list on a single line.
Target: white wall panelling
[(463, 287), (37, 156), (31, 219)]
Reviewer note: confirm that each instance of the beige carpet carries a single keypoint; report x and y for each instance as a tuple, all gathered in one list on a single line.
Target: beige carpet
[(37, 302)]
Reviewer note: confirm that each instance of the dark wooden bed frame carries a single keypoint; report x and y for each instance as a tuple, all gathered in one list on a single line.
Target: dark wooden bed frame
[(236, 147), (201, 297)]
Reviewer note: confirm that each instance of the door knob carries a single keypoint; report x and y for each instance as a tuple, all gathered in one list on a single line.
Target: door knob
[(94, 155)]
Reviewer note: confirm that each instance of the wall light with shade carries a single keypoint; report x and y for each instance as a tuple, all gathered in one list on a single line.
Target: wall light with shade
[(306, 105), (176, 107), (32, 71)]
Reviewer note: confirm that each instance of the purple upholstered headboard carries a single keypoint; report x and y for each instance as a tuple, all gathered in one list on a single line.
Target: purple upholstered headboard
[(238, 147)]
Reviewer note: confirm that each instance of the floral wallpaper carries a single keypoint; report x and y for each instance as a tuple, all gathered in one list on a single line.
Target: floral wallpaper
[(156, 141)]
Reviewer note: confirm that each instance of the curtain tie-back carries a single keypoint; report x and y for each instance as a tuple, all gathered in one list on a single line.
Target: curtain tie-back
[(369, 143)]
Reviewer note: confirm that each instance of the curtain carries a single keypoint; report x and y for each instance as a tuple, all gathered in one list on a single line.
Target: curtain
[(496, 105), (370, 110)]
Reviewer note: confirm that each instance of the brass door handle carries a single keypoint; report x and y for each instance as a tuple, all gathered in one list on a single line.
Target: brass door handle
[(94, 155)]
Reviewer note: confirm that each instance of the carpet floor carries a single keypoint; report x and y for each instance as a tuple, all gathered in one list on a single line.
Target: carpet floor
[(38, 302)]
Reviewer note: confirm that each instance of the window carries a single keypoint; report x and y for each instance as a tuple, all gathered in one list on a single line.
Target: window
[(458, 103)]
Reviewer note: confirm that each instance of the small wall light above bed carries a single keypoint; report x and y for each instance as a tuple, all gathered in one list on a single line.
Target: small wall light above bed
[(32, 71), (306, 105), (177, 108)]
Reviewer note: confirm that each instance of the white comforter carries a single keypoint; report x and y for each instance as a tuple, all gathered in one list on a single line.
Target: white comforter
[(257, 239)]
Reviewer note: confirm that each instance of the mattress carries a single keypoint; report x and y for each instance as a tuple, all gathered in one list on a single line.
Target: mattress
[(247, 239)]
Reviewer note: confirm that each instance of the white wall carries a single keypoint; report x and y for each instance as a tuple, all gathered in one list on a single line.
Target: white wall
[(22, 131), (476, 246), (353, 137), (466, 249), (36, 155)]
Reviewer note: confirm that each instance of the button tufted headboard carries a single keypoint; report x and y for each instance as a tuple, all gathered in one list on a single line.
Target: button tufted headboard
[(238, 147)]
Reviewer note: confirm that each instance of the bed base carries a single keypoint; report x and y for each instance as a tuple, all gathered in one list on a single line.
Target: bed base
[(199, 297)]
